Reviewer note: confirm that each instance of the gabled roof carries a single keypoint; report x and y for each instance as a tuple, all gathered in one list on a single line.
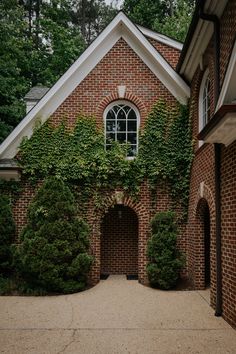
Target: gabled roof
[(119, 27)]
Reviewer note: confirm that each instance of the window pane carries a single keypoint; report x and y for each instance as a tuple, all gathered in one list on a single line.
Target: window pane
[(121, 137), (121, 114), (111, 125), (121, 125), (116, 108), (132, 138), (132, 125), (132, 115), (110, 136), (127, 109), (110, 115)]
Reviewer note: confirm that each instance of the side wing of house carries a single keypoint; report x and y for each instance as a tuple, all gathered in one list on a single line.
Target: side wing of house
[(208, 61)]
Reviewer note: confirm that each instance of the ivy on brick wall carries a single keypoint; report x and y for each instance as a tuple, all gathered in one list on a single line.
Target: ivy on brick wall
[(79, 156)]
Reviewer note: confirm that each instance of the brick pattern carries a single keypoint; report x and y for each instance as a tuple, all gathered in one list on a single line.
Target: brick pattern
[(119, 241), (228, 234), (203, 172), (170, 54), (120, 66)]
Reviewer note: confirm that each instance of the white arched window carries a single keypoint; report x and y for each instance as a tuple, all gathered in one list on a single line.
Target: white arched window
[(204, 101), (121, 120)]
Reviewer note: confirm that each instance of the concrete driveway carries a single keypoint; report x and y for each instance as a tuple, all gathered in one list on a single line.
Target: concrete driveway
[(116, 316)]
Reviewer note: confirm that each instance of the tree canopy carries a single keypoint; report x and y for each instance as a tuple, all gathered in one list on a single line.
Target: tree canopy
[(170, 17)]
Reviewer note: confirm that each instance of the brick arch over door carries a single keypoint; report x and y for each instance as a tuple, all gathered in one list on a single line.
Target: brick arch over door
[(95, 219), (203, 200), (119, 241)]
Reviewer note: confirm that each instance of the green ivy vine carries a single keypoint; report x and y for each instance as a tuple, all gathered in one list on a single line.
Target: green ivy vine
[(79, 156)]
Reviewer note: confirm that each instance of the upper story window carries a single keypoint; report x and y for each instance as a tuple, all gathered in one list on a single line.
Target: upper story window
[(122, 124), (204, 101)]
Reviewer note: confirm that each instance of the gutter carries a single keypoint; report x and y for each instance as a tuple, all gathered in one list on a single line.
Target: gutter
[(190, 34), (217, 148)]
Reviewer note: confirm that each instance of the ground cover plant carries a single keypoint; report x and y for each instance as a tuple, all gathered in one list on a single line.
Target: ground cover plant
[(53, 252), (165, 261)]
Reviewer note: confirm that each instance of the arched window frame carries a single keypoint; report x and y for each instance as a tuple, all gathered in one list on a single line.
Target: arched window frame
[(204, 100), (136, 111)]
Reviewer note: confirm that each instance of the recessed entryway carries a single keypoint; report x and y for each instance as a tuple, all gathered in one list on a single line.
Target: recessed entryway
[(119, 241)]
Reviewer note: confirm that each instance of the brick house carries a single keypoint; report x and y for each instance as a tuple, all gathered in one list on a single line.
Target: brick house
[(123, 73)]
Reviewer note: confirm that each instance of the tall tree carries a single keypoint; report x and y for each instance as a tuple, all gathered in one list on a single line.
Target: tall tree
[(170, 17), (91, 16), (145, 12), (177, 23), (13, 65)]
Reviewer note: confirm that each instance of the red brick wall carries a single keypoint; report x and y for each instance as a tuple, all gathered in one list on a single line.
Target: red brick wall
[(228, 234), (120, 66), (202, 187), (170, 54), (119, 241)]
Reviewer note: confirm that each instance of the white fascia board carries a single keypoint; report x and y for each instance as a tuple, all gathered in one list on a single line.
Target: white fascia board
[(202, 35), (230, 78), (161, 38), (121, 26), (201, 38), (224, 132)]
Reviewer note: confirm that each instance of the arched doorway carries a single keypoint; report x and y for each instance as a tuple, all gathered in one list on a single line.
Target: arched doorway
[(205, 236), (119, 241), (207, 245)]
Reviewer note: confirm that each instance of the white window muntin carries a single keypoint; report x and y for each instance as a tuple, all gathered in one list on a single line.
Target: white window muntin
[(121, 129)]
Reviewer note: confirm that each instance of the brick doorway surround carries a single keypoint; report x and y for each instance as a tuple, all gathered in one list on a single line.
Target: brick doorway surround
[(119, 241), (114, 201)]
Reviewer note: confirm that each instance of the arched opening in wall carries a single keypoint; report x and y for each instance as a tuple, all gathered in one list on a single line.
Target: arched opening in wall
[(205, 231), (119, 241)]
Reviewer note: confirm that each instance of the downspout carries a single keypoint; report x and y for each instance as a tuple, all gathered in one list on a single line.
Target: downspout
[(217, 148)]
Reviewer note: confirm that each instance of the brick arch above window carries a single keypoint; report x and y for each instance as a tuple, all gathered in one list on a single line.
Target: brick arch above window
[(114, 96)]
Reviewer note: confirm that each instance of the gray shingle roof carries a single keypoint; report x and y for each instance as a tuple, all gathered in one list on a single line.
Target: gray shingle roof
[(36, 93)]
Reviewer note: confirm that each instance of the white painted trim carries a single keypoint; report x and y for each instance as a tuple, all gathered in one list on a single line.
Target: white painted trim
[(200, 39), (161, 38), (200, 103), (228, 77), (120, 26)]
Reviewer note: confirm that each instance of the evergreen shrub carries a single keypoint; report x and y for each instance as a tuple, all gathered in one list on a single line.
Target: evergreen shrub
[(165, 261), (53, 253), (7, 229)]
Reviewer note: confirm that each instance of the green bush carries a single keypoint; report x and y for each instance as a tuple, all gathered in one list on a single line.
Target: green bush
[(7, 229), (53, 254), (165, 261)]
